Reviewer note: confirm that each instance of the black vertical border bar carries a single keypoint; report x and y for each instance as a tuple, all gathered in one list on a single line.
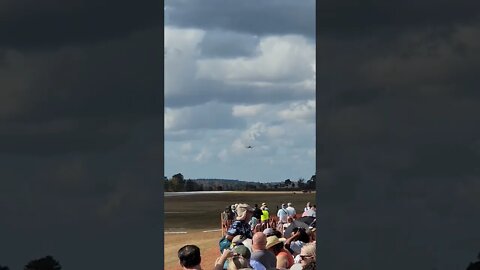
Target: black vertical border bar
[(318, 134), (162, 139)]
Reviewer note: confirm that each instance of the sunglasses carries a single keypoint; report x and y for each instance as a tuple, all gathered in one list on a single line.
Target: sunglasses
[(305, 256)]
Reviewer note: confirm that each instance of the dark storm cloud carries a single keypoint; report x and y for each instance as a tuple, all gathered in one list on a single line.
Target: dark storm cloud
[(260, 18), (77, 199), (398, 149), (51, 24), (66, 100), (224, 44), (81, 133), (349, 19)]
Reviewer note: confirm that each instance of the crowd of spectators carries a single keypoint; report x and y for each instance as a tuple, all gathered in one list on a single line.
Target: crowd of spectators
[(256, 240)]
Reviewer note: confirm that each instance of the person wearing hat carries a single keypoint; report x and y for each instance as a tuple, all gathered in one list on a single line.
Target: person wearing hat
[(306, 257), (240, 226), (264, 205), (269, 232), (284, 257), (265, 215), (234, 259)]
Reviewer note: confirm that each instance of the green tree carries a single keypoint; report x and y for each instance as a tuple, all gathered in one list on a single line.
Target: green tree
[(301, 183), (288, 182), (178, 182), (46, 263), (190, 185), (311, 184), (167, 185)]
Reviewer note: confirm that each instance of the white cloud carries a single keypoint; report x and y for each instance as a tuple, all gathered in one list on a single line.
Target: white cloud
[(203, 156), (223, 103), (299, 111), (206, 116), (181, 52), (247, 110), (280, 59)]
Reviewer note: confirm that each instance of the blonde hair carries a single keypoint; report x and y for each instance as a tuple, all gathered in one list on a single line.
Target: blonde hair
[(310, 249)]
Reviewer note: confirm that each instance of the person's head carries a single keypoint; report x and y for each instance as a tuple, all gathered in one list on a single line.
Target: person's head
[(238, 240), (308, 253), (309, 204), (289, 204), (264, 205), (269, 232), (274, 244), (256, 205), (304, 237), (238, 262), (284, 206), (189, 256), (289, 219), (314, 207), (278, 233), (259, 241), (244, 212), (242, 250)]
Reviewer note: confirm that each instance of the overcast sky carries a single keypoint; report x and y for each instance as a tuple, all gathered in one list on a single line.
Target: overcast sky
[(81, 133), (240, 73), (399, 134)]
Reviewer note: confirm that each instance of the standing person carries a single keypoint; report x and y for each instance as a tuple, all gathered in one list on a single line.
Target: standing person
[(310, 212), (257, 212), (189, 257), (265, 217), (291, 210), (260, 253), (282, 215), (309, 205), (240, 225)]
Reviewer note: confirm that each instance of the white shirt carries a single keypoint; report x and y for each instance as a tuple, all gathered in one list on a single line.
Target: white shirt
[(282, 214), (291, 211)]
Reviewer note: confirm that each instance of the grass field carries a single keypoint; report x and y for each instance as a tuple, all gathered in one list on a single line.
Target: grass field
[(202, 211), (195, 213)]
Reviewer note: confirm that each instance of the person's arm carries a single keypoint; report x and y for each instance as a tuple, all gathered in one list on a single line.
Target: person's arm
[(292, 238), (221, 260), (282, 262), (229, 237)]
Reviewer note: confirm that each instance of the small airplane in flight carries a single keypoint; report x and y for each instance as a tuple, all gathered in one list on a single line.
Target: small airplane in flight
[(249, 147)]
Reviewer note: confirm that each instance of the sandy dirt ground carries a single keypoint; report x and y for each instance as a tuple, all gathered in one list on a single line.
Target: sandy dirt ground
[(206, 241)]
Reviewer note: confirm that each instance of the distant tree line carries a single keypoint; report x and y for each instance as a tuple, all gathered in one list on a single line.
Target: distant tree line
[(178, 183), (45, 263)]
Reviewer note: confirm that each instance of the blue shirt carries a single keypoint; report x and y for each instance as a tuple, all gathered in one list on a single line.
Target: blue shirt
[(240, 228)]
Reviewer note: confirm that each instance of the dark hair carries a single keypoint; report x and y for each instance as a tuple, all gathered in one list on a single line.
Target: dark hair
[(277, 233), (189, 256), (303, 234), (278, 247)]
